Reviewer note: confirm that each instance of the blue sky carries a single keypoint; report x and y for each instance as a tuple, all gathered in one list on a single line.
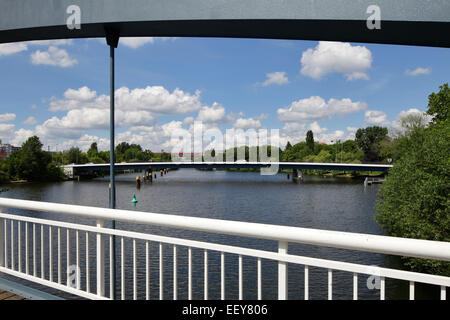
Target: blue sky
[(59, 90)]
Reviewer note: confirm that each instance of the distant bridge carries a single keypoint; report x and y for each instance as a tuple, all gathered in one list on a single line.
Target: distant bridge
[(77, 169)]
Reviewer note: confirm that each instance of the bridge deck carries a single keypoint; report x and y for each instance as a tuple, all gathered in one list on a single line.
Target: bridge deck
[(5, 295)]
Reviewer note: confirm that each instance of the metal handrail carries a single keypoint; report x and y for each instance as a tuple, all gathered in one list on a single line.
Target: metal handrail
[(428, 249)]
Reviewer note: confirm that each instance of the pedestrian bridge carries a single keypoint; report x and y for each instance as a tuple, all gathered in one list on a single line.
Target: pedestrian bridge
[(75, 258), (77, 169)]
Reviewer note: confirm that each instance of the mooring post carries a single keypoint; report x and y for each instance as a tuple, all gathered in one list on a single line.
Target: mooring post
[(112, 39)]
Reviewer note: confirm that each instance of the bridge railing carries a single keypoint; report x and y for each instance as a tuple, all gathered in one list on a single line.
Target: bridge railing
[(35, 249)]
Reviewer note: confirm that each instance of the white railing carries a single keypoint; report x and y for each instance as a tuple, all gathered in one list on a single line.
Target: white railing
[(25, 256)]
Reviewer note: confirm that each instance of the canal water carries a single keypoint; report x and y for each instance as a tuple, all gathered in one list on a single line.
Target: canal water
[(324, 203)]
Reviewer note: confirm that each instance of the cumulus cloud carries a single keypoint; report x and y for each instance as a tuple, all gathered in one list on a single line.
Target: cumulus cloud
[(53, 57), (137, 42), (336, 57), (7, 49), (376, 118), (6, 117), (151, 98), (247, 123), (215, 113), (278, 78), (316, 108), (418, 71)]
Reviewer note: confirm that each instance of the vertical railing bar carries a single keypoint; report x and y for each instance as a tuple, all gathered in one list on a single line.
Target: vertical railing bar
[(111, 267), (77, 253), (240, 277), (42, 253), (27, 264), (175, 272), (411, 290), (443, 292), (134, 271), (259, 279), (6, 242), (122, 268), (330, 284), (34, 251), (12, 245), (19, 244), (189, 273), (382, 288), (205, 275), (50, 256), (2, 242), (222, 275), (161, 271), (306, 282), (59, 255), (88, 277), (67, 255), (282, 272), (355, 286), (100, 259), (147, 270)]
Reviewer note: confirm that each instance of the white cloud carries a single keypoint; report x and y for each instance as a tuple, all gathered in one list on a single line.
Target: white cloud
[(136, 42), (330, 57), (418, 71), (316, 108), (6, 117), (396, 125), (30, 120), (376, 118), (278, 78), (53, 57), (7, 49), (151, 98), (82, 94), (20, 136), (249, 123), (215, 113)]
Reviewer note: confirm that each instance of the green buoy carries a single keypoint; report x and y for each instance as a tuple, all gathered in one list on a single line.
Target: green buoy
[(134, 201)]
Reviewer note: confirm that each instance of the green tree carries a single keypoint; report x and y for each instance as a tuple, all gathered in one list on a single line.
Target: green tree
[(75, 155), (31, 163), (369, 139), (310, 140), (439, 104), (413, 201)]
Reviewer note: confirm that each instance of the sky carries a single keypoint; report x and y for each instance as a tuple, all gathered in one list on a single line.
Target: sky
[(59, 89)]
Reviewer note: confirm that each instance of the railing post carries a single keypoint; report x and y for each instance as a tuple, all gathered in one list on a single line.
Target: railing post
[(2, 241), (100, 260), (282, 272)]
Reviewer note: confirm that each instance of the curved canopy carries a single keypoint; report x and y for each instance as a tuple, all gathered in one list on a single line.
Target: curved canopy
[(407, 22)]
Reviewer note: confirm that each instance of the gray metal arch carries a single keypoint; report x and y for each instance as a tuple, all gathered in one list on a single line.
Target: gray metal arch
[(407, 22)]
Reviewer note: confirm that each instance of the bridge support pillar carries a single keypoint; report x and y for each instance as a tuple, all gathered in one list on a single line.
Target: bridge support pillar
[(297, 175)]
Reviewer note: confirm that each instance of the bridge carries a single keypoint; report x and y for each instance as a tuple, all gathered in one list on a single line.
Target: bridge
[(73, 170)]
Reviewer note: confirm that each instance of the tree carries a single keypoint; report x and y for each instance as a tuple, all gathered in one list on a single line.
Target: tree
[(413, 200), (439, 104), (75, 155), (31, 163), (92, 153), (310, 140), (368, 140)]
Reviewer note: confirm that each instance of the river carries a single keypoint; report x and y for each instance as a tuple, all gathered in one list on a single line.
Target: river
[(324, 203)]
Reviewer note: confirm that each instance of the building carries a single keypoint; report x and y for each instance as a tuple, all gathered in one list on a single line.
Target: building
[(6, 149)]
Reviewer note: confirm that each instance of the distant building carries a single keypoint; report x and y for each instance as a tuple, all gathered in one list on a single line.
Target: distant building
[(6, 149)]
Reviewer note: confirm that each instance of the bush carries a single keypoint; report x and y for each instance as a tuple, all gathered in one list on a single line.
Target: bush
[(413, 201)]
